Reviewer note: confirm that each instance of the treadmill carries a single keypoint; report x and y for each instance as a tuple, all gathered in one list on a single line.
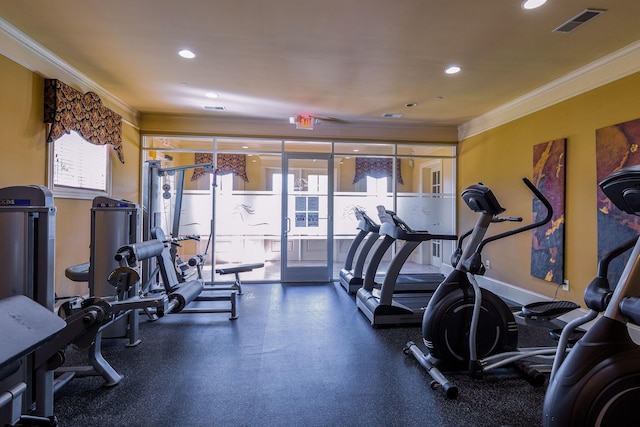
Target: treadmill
[(397, 303), (351, 278)]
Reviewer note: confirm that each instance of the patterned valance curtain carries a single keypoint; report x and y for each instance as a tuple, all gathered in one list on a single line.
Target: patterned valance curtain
[(226, 163), (67, 109), (376, 167)]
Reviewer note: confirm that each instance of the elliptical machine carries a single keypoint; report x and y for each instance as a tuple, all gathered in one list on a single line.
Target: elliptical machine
[(466, 328), (598, 384)]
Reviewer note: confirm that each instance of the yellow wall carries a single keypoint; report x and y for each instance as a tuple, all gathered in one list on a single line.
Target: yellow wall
[(24, 162), (22, 133), (502, 156)]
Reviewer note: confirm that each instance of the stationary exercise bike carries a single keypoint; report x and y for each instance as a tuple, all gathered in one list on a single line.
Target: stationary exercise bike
[(466, 328), (598, 384)]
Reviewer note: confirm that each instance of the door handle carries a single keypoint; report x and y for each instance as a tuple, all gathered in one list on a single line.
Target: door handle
[(288, 229)]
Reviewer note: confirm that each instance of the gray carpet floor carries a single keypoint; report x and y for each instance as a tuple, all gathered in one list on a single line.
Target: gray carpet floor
[(297, 355)]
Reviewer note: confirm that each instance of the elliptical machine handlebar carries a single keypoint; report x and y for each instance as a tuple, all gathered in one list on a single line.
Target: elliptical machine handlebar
[(531, 226), (481, 199), (507, 218), (599, 291)]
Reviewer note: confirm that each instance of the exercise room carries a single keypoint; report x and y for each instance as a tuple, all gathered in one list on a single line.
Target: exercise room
[(418, 213)]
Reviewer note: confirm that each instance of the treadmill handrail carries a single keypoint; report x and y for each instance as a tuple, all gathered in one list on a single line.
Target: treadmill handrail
[(365, 222), (393, 226)]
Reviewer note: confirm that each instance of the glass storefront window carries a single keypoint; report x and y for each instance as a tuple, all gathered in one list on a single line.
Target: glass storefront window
[(177, 143), (417, 181), (248, 145), (308, 146), (431, 150)]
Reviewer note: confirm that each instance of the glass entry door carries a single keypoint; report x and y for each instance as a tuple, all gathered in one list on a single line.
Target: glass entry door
[(307, 222)]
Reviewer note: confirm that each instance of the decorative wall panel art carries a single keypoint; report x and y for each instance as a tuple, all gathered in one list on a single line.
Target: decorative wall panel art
[(616, 148), (547, 249)]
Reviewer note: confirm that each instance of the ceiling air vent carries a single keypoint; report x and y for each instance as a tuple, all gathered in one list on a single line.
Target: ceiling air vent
[(578, 20), (392, 116), (214, 108)]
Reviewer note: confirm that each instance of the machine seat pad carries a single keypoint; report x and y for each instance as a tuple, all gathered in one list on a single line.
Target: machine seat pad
[(24, 326), (78, 272), (239, 268)]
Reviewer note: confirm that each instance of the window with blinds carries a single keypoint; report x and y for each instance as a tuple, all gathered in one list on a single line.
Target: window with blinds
[(79, 169)]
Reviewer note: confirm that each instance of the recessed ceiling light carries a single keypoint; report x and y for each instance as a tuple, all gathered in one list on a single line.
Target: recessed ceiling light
[(186, 53), (453, 69), (532, 4), (355, 150), (245, 146), (211, 95), (411, 104)]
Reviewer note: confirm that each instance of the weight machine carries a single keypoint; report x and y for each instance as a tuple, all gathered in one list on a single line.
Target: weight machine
[(27, 360), (152, 219), (27, 230), (114, 223)]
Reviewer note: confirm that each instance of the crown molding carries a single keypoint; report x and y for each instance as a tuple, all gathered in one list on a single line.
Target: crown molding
[(607, 69), (20, 48)]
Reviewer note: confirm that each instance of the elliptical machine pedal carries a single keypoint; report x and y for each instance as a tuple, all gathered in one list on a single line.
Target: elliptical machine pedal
[(547, 312), (548, 309)]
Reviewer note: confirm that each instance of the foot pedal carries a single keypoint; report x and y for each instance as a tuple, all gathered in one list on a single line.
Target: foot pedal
[(548, 309)]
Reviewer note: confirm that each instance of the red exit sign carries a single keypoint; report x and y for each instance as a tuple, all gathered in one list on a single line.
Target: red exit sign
[(304, 122)]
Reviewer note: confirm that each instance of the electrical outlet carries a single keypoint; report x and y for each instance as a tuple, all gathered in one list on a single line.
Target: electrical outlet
[(565, 285), (487, 264)]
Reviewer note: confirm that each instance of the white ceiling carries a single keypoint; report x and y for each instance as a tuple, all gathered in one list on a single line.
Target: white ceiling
[(350, 61)]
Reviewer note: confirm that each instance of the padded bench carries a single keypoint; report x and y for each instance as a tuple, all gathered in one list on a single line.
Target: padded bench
[(25, 325), (236, 269), (78, 272)]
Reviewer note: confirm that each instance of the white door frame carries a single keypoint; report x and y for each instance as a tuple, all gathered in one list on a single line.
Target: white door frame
[(431, 253)]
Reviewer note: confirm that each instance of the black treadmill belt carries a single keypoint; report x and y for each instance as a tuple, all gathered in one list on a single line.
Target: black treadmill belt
[(417, 278), (415, 282)]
